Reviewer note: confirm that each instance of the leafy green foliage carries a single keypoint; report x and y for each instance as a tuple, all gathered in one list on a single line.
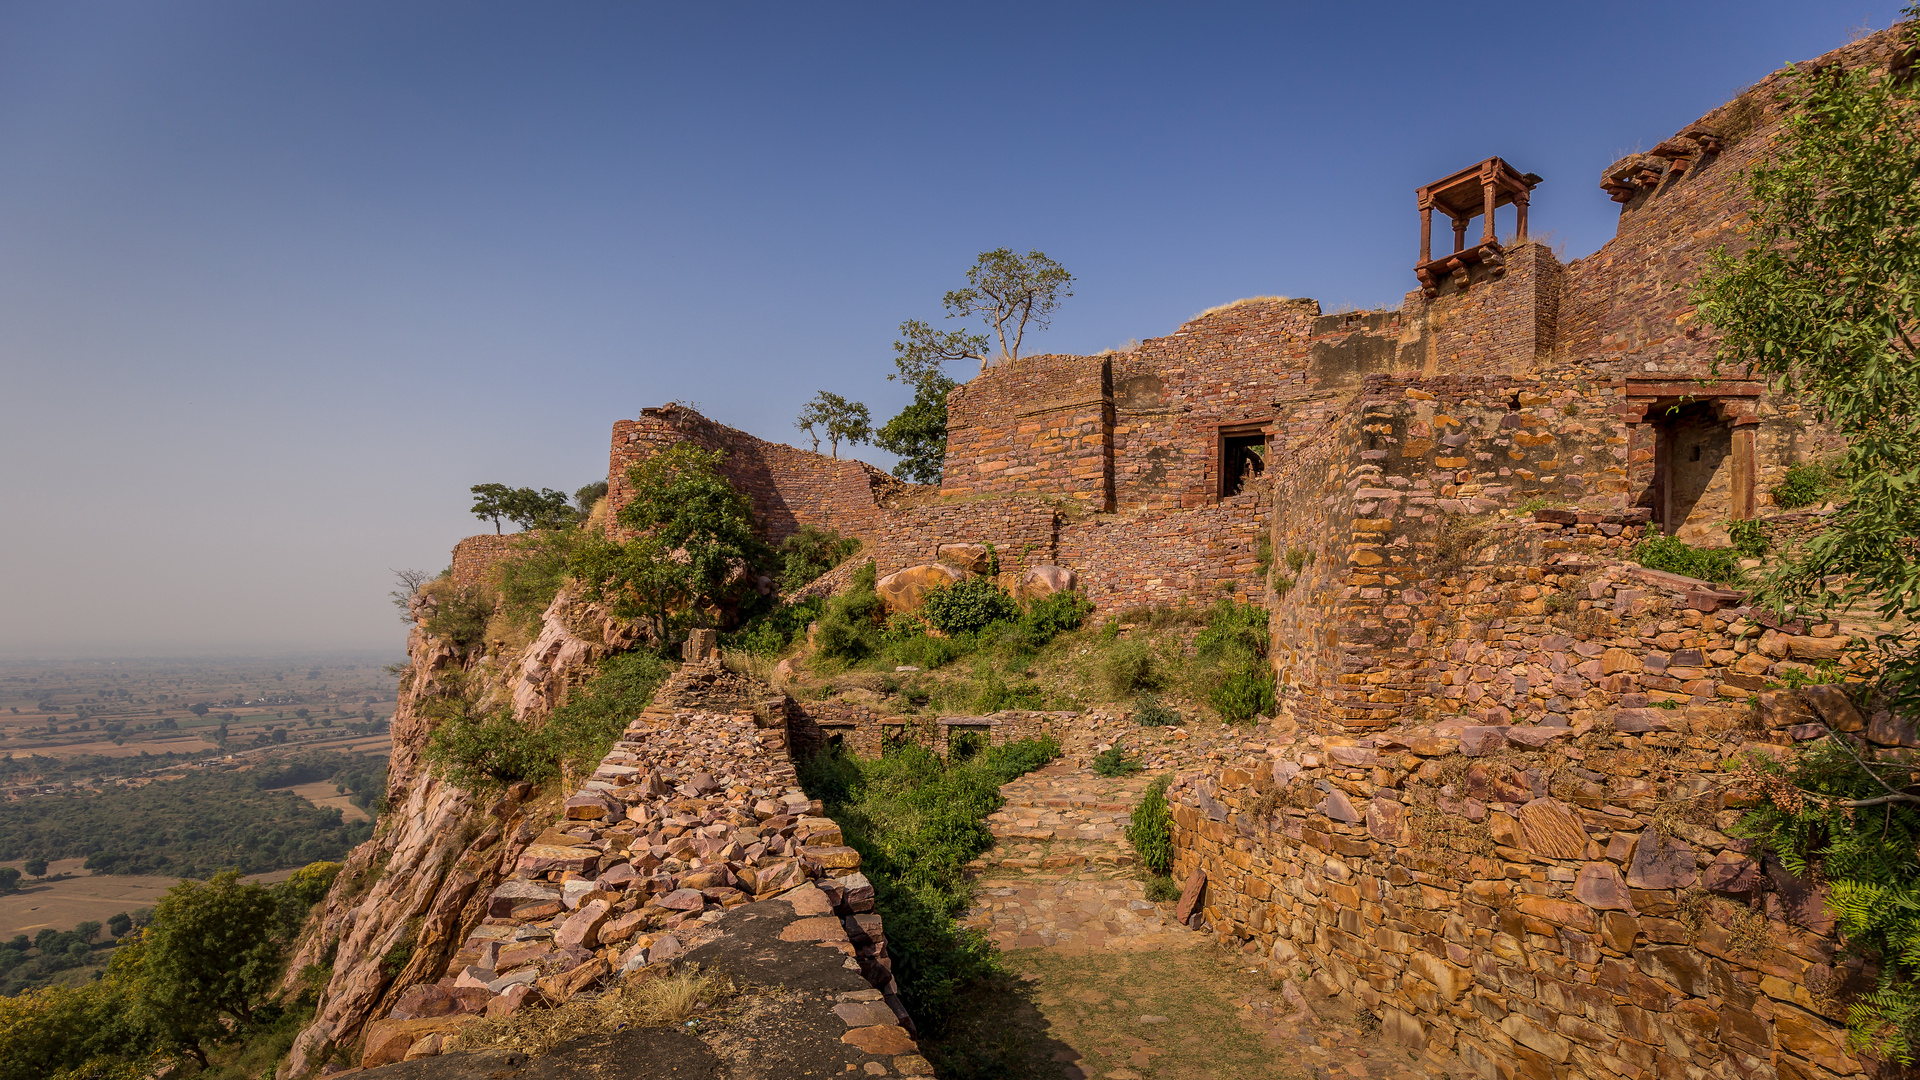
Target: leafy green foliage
[(187, 827), (1060, 613), (841, 420), (1676, 556), (1230, 662), (1115, 761), (532, 574), (1749, 537), (1150, 711), (1150, 830), (774, 629), (1806, 483), (1867, 855), (696, 540), (810, 552), (479, 749), (525, 507), (918, 434), (1010, 292), (459, 613), (850, 625), (917, 822), (1823, 302), (968, 605), (201, 977)]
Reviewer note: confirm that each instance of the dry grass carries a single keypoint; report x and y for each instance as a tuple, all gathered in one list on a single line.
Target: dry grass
[(641, 1000), (742, 662), (1240, 303)]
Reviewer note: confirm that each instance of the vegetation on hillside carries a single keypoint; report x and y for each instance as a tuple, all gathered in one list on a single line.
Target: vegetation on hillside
[(1823, 303), (917, 821), (194, 987)]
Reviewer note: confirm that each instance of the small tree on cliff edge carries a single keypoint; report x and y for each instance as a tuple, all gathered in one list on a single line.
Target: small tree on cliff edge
[(695, 547)]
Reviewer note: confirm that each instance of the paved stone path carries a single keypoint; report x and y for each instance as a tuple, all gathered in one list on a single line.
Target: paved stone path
[(1062, 894)]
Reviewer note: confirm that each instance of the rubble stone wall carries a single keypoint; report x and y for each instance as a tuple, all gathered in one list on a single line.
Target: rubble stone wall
[(788, 487), (1164, 556), (476, 556), (1041, 425), (1501, 325), (1022, 530)]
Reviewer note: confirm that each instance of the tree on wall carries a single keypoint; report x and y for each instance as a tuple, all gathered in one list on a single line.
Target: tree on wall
[(1011, 293), (525, 507), (918, 435), (840, 419), (694, 546)]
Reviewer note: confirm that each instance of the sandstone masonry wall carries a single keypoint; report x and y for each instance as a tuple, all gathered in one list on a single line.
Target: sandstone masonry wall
[(475, 557), (1039, 426), (1498, 325)]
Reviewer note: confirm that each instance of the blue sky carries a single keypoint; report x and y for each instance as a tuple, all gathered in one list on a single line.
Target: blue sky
[(279, 282)]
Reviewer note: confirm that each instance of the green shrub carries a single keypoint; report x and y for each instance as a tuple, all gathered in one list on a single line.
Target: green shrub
[(1129, 667), (580, 733), (926, 652), (810, 553), (1245, 692), (774, 629), (1050, 616), (917, 821), (1233, 629), (1151, 829), (532, 575), (967, 606), (1749, 537), (1867, 859), (1804, 485), (994, 691), (460, 613), (850, 625), (1675, 556), (1115, 761), (1150, 711)]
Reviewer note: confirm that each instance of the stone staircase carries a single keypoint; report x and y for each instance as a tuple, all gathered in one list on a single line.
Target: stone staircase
[(1061, 872)]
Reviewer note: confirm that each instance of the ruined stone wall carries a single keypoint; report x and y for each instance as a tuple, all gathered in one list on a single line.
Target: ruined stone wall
[(1498, 325), (1627, 308), (1533, 876), (476, 556), (788, 487), (1164, 556), (1022, 530), (1039, 426), (1172, 394)]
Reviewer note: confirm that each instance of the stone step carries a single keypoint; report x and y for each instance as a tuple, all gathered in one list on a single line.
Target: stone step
[(1058, 855)]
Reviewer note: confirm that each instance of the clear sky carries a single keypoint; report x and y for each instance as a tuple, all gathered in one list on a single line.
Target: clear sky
[(279, 282)]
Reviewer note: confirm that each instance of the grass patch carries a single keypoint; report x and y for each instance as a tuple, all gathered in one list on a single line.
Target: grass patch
[(917, 821), (1675, 556), (643, 999)]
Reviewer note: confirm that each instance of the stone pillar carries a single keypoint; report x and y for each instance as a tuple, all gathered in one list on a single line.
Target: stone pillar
[(1488, 196), (700, 647), (1426, 235), (1746, 468), (1520, 208), (1459, 234)]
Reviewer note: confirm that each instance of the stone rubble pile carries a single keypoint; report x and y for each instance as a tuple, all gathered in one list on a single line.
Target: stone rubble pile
[(689, 816)]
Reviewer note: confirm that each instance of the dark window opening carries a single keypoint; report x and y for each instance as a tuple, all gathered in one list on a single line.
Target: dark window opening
[(1243, 456)]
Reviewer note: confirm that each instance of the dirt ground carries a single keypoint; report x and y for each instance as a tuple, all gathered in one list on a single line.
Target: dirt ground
[(321, 793), (61, 905)]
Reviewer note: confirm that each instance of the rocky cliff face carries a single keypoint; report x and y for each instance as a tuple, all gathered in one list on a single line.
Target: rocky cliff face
[(407, 897)]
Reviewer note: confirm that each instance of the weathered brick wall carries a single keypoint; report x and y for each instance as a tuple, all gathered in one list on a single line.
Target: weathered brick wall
[(1520, 889), (788, 487), (1627, 310), (476, 556), (1499, 324), (1163, 556), (1039, 426), (1022, 531)]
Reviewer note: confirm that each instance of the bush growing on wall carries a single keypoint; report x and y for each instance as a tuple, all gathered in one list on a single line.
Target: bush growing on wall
[(1231, 668), (1675, 556)]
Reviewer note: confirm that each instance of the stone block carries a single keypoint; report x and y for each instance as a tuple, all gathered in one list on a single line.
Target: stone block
[(1599, 886)]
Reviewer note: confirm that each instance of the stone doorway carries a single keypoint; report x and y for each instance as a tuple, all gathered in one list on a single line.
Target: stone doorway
[(1243, 456), (1696, 448)]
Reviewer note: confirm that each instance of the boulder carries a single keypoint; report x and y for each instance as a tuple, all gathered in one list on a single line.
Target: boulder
[(1045, 580), (903, 590), (389, 1040), (968, 558), (1835, 707)]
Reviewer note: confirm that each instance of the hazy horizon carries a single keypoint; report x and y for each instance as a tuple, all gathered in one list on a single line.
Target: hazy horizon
[(282, 281)]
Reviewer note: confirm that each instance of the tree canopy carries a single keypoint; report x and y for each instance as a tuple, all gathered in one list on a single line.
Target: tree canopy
[(1824, 302), (1011, 293), (841, 420), (694, 546), (525, 507), (918, 435)]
